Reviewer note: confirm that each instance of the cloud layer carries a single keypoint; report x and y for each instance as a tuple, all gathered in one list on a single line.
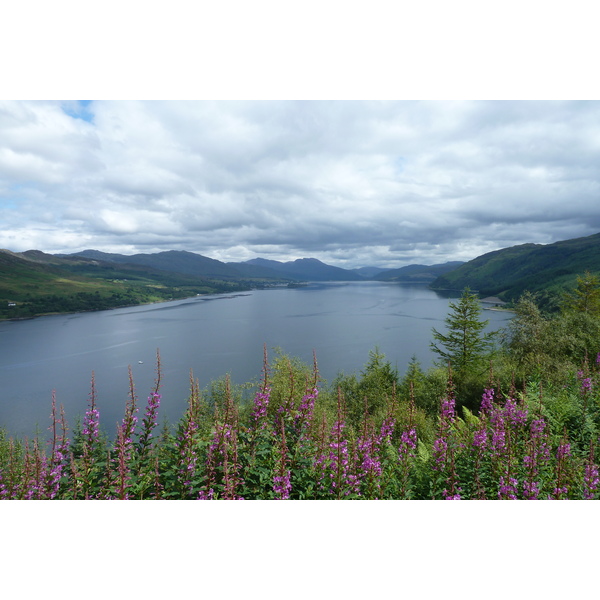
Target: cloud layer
[(351, 183)]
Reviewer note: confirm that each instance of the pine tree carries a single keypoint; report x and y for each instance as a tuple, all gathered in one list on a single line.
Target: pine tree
[(465, 344), (586, 296)]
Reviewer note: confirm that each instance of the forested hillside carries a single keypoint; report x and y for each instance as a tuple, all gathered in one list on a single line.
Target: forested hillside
[(417, 273), (34, 283), (509, 272)]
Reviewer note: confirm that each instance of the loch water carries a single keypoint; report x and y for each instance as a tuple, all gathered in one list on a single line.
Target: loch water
[(207, 336)]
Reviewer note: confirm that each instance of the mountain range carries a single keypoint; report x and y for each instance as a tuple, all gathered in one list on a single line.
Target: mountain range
[(302, 269), (34, 282)]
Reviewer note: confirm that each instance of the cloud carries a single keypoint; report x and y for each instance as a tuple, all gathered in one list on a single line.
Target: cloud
[(352, 183)]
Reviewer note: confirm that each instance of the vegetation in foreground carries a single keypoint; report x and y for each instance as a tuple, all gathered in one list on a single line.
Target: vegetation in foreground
[(520, 420)]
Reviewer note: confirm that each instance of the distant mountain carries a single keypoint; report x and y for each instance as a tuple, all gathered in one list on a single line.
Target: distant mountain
[(190, 263), (307, 269), (257, 271), (417, 273), (368, 272), (175, 261), (509, 272)]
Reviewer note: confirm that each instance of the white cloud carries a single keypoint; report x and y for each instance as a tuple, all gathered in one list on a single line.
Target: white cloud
[(351, 183)]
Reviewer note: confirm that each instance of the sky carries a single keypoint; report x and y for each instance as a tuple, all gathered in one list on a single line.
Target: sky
[(380, 137), (352, 183)]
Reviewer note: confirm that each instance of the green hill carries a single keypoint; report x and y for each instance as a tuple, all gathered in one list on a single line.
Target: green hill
[(417, 273), (34, 283), (509, 272)]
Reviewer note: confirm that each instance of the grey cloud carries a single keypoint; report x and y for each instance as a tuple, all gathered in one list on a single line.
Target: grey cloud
[(387, 183)]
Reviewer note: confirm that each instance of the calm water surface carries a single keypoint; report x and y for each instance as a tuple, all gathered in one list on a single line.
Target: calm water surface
[(212, 336)]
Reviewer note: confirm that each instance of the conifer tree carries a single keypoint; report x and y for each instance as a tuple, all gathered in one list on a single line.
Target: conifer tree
[(465, 344), (586, 296)]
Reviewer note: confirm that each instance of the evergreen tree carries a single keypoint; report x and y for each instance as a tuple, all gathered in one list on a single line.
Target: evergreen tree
[(465, 344), (526, 336), (586, 296)]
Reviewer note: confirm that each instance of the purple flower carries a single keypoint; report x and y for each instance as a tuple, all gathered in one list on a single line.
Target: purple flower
[(531, 490), (282, 485), (498, 438), (408, 442), (90, 424), (480, 438), (261, 403), (563, 450), (487, 401), (537, 448), (513, 414), (448, 408), (336, 464), (508, 488), (591, 481), (440, 450), (450, 496)]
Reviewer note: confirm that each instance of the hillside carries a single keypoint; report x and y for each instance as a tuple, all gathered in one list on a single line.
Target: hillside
[(417, 273), (509, 272), (34, 283)]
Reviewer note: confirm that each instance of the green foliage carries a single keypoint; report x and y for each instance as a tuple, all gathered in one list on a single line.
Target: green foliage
[(465, 346), (554, 345), (586, 296), (370, 393), (510, 272), (426, 387)]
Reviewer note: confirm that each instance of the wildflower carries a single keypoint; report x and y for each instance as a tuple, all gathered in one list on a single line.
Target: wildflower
[(531, 490), (150, 420), (408, 442), (562, 453), (187, 449), (480, 438), (487, 401), (282, 485), (586, 382), (304, 415), (448, 408), (513, 414), (508, 488), (369, 463), (499, 437), (90, 424), (60, 449), (387, 429), (450, 496), (440, 450), (261, 403), (563, 450), (591, 481)]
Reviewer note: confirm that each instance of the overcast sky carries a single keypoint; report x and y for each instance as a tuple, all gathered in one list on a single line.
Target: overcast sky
[(350, 183)]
